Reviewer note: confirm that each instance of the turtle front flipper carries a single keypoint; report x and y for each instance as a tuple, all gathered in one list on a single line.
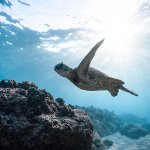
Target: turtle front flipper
[(85, 63)]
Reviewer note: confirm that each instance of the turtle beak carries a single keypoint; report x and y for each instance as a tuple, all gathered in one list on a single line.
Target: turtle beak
[(57, 67)]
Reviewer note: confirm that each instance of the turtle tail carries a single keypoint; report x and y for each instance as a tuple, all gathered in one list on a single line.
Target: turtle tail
[(121, 87)]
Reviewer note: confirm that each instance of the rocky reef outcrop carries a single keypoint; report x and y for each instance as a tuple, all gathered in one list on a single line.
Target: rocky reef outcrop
[(98, 143), (133, 131), (104, 122), (31, 119)]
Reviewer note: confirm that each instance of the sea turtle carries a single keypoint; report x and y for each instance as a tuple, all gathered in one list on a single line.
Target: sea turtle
[(90, 78)]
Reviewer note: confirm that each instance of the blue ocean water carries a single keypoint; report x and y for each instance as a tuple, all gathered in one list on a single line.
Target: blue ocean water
[(28, 53)]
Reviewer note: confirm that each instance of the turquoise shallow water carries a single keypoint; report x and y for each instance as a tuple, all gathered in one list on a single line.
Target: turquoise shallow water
[(27, 53)]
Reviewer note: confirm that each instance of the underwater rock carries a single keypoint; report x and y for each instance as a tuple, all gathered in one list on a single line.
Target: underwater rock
[(60, 101), (97, 143), (133, 131), (108, 143), (31, 119), (104, 122), (14, 84)]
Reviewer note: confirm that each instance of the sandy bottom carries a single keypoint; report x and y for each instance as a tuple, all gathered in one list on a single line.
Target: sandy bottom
[(124, 143)]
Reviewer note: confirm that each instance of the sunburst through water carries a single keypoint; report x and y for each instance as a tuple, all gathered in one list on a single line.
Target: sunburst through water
[(125, 27)]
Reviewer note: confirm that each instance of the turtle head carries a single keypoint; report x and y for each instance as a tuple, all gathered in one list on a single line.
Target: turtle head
[(63, 70)]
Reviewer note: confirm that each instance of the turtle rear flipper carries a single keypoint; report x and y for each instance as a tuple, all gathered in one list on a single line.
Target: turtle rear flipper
[(114, 92), (121, 87)]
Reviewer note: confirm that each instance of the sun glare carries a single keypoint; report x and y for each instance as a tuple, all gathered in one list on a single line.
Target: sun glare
[(118, 25), (124, 25)]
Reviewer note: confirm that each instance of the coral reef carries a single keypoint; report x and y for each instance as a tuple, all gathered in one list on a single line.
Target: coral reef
[(104, 122), (31, 119), (133, 131), (97, 143)]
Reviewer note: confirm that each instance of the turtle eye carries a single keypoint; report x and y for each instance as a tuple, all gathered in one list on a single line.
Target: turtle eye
[(61, 64)]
